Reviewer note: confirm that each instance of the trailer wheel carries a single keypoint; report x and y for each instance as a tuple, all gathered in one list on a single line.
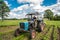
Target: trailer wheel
[(17, 32), (32, 34)]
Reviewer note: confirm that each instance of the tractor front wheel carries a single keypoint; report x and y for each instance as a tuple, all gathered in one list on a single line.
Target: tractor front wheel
[(17, 32)]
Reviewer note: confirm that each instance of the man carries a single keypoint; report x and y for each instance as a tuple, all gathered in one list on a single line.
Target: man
[(39, 19), (35, 21), (40, 23)]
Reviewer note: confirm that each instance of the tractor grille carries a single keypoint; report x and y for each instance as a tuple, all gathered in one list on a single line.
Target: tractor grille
[(22, 25)]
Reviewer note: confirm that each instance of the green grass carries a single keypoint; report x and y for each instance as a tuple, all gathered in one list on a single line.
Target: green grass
[(48, 22), (47, 36), (21, 37), (7, 35), (10, 22), (16, 23), (55, 33)]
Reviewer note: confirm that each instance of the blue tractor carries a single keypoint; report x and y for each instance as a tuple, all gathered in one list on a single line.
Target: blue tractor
[(30, 26)]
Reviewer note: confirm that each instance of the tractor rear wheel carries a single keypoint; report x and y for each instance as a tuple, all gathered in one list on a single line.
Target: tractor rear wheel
[(32, 34), (41, 27)]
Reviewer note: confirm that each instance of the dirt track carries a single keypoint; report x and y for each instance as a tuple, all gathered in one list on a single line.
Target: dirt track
[(59, 33), (7, 32), (8, 29), (51, 37)]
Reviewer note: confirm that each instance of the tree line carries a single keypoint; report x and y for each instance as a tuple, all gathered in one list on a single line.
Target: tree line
[(50, 15)]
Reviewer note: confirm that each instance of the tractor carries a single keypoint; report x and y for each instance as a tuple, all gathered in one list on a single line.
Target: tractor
[(31, 25)]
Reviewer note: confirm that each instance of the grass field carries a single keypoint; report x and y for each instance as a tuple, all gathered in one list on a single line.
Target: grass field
[(48, 22), (10, 22), (6, 33), (16, 22)]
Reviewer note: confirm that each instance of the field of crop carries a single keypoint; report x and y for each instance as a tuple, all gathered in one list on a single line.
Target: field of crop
[(50, 32), (10, 22), (48, 22), (16, 22)]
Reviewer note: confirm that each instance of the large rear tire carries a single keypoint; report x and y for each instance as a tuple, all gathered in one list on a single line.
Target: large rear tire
[(41, 27), (32, 34)]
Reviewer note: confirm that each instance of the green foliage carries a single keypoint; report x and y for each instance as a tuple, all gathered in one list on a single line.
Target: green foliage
[(55, 33), (39, 36), (56, 17), (48, 14), (11, 22), (25, 19), (6, 35), (21, 37), (3, 9), (16, 22), (47, 36), (52, 22)]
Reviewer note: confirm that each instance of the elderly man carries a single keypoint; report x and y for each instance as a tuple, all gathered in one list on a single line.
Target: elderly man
[(39, 19)]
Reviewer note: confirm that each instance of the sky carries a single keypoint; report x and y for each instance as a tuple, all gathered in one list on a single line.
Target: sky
[(19, 8)]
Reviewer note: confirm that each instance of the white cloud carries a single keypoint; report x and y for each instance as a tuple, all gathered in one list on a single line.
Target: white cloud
[(58, 1), (31, 1), (15, 15), (7, 4), (22, 1), (36, 1), (39, 8), (56, 8), (20, 8), (18, 12), (21, 11)]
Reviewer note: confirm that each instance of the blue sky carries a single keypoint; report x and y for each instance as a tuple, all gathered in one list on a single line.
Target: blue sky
[(15, 4), (20, 8), (49, 2)]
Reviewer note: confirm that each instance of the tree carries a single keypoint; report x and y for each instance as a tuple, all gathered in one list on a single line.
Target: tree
[(48, 14), (57, 17), (3, 9)]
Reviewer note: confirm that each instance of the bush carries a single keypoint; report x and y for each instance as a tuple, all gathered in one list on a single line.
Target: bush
[(56, 17)]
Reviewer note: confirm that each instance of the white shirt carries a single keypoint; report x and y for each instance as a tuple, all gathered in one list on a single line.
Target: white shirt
[(39, 17)]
